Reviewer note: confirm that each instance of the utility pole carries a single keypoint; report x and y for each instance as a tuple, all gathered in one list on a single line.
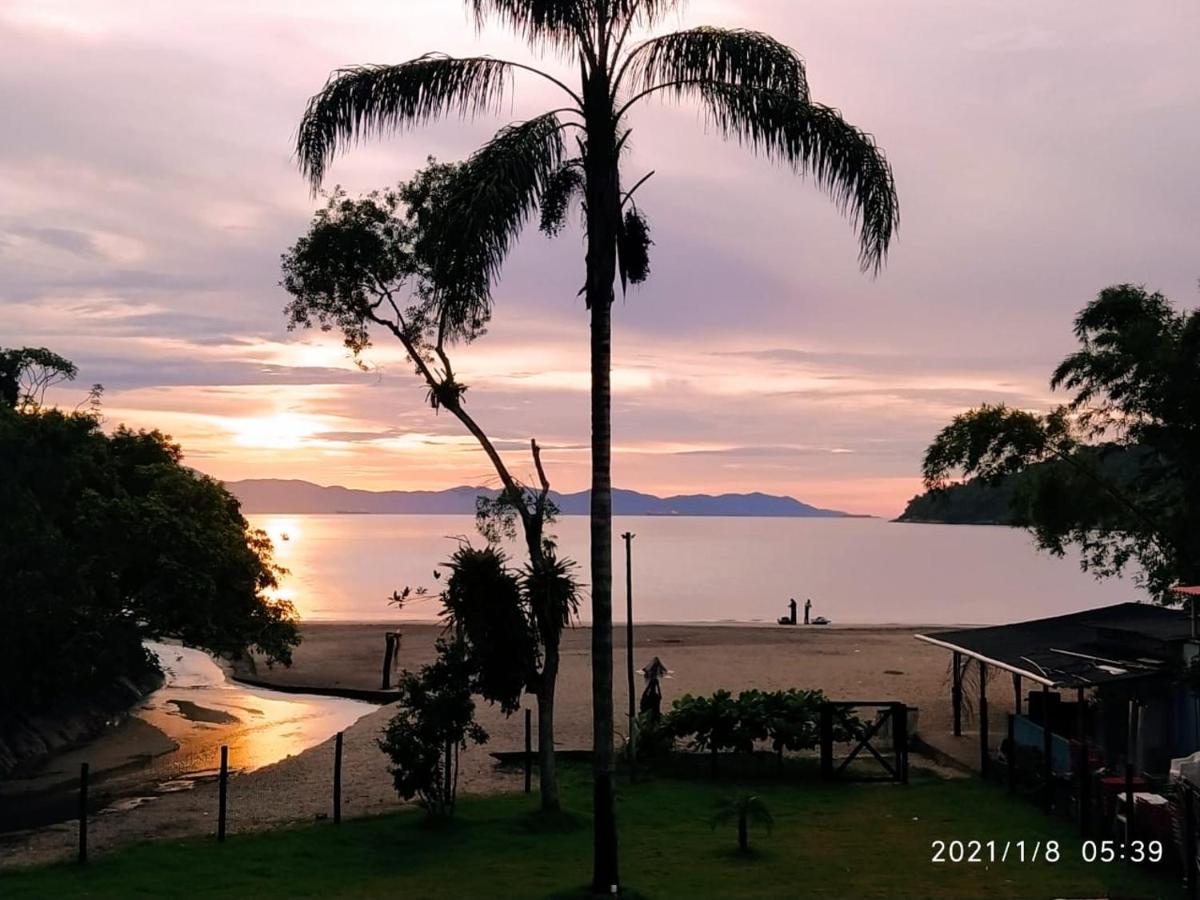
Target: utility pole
[(629, 536)]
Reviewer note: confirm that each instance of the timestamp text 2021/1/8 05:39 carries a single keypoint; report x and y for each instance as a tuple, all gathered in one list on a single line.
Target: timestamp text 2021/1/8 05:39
[(1048, 851)]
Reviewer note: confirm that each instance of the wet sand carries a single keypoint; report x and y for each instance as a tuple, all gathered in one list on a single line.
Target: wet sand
[(853, 663)]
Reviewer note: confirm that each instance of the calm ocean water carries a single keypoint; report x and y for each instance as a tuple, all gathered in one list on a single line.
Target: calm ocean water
[(857, 571)]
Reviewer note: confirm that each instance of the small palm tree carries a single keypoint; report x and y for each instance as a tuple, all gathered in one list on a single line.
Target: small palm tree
[(752, 89), (748, 810)]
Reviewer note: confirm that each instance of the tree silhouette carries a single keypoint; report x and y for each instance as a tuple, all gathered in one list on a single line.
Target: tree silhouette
[(26, 373), (367, 264), (1112, 472), (752, 88)]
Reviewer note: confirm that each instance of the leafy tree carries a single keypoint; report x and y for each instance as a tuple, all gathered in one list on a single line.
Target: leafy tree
[(752, 88), (107, 540), (435, 721), (746, 810), (26, 373), (1113, 471), (374, 263)]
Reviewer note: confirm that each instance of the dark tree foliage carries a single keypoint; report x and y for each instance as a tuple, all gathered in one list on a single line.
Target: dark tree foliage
[(501, 645), (503, 618), (1002, 500), (26, 373), (390, 261), (633, 246), (435, 721), (483, 605), (783, 720), (1113, 471), (107, 540)]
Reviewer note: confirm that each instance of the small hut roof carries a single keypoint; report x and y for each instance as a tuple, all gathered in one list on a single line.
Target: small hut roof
[(1097, 646)]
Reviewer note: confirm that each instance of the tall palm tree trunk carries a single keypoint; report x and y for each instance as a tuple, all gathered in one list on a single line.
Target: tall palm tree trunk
[(603, 217), (605, 862)]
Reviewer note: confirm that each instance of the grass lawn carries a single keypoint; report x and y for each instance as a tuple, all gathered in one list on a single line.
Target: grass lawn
[(829, 840)]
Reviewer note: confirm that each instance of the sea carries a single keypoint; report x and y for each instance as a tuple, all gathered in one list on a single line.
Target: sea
[(856, 571)]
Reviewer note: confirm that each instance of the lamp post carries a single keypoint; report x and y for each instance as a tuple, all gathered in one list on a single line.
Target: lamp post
[(629, 536)]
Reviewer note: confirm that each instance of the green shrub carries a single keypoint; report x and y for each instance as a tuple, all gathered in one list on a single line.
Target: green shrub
[(785, 720), (435, 721)]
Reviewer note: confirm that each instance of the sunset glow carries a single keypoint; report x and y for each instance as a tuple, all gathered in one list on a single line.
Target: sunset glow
[(757, 357)]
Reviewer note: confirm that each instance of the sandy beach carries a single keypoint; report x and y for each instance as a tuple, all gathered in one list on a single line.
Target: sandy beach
[(854, 663)]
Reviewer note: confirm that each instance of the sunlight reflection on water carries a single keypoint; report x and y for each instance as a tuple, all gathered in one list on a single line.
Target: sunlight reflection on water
[(200, 710)]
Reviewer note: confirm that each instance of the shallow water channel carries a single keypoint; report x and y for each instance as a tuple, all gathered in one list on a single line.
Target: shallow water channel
[(173, 740)]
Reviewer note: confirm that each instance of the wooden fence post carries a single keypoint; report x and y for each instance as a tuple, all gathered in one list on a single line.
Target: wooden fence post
[(83, 812), (388, 654), (900, 739), (222, 790), (956, 693), (984, 750), (1012, 753), (337, 779), (1085, 777), (528, 750), (1047, 748)]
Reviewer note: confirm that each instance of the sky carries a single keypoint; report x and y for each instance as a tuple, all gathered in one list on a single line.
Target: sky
[(1042, 151)]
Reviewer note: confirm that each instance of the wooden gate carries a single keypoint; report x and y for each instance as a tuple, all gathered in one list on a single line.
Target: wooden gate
[(840, 725)]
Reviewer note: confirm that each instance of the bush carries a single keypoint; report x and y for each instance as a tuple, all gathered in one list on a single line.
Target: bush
[(654, 736), (789, 720), (435, 721)]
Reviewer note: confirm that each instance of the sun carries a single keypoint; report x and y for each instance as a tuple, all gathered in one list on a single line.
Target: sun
[(282, 431)]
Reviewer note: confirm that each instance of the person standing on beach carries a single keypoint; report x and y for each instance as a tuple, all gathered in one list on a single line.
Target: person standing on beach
[(792, 611), (807, 609)]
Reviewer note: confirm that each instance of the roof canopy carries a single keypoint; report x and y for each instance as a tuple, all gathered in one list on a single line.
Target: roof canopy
[(1099, 646)]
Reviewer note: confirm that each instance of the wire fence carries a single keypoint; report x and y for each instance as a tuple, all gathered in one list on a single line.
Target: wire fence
[(226, 805), (1106, 805)]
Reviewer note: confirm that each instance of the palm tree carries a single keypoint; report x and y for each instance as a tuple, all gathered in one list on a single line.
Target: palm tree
[(746, 810), (753, 90)]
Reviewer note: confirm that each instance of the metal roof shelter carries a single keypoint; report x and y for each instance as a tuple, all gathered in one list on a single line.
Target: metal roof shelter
[(1090, 649), (1085, 649)]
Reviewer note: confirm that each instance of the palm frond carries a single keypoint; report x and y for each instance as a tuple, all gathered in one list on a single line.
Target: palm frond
[(749, 806), (731, 56), (363, 101), (816, 141), (557, 24), (494, 194), (642, 12)]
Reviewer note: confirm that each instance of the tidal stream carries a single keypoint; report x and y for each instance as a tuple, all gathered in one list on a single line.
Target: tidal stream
[(173, 741)]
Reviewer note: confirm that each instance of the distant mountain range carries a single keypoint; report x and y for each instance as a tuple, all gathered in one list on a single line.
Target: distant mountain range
[(273, 495)]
